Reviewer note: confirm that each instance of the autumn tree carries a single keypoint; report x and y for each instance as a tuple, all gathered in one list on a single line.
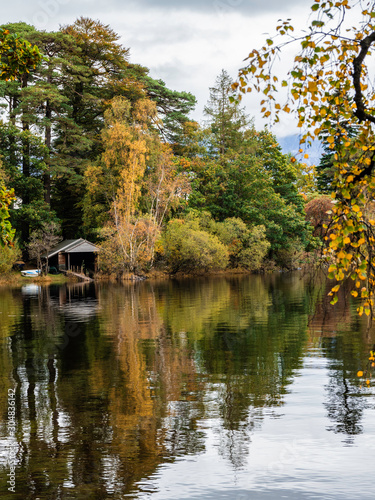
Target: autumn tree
[(137, 173), (118, 173), (166, 184), (17, 56), (42, 241), (134, 184), (318, 213), (330, 86), (6, 198)]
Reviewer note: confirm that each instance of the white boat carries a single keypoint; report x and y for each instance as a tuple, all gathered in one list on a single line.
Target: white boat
[(31, 273)]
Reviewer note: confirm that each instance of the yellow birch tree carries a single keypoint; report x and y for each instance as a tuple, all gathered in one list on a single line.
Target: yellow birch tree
[(330, 91)]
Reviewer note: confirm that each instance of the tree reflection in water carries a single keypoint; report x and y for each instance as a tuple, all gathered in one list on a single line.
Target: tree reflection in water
[(114, 380)]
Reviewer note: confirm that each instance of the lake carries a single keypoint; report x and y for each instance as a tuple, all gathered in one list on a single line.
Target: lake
[(240, 387)]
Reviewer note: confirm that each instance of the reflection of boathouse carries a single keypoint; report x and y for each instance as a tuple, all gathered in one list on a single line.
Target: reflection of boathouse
[(77, 301), (73, 255)]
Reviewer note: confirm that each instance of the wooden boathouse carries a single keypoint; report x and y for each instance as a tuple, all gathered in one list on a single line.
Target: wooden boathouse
[(74, 255)]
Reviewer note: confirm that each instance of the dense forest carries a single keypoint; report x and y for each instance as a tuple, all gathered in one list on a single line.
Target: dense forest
[(92, 146)]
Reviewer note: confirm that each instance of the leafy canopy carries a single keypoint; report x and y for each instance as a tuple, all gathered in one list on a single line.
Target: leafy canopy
[(330, 92), (6, 231), (17, 56)]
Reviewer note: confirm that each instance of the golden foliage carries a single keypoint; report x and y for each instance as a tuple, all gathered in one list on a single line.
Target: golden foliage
[(143, 181), (330, 92)]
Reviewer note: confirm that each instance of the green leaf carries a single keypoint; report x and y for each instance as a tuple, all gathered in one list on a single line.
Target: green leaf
[(334, 300)]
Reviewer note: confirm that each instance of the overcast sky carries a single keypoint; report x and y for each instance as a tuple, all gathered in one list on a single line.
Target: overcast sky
[(184, 42)]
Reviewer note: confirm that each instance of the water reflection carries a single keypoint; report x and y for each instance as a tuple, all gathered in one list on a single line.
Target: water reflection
[(114, 381)]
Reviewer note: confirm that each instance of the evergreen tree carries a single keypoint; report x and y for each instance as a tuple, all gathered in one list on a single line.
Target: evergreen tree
[(244, 174), (280, 167), (243, 188), (325, 168), (227, 121), (38, 107)]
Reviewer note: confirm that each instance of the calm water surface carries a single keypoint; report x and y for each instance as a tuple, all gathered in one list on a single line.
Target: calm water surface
[(224, 388)]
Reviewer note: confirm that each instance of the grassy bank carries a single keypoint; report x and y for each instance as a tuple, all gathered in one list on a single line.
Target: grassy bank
[(15, 278)]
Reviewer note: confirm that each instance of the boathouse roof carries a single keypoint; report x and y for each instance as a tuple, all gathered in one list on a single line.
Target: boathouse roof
[(74, 246)]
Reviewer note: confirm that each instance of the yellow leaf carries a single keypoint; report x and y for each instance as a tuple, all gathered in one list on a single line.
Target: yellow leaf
[(312, 87), (359, 373)]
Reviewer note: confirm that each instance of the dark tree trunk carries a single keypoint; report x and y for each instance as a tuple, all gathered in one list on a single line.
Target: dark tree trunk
[(25, 228), (47, 174)]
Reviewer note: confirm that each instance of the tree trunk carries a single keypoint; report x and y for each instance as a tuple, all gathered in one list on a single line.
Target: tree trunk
[(47, 140), (25, 228)]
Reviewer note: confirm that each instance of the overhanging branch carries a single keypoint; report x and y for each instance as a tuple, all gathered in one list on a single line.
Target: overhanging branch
[(361, 112)]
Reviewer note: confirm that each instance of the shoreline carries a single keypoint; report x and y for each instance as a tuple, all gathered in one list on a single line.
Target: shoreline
[(16, 279)]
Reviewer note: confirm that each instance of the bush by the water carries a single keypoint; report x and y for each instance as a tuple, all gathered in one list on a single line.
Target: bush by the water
[(8, 256), (247, 246), (187, 248)]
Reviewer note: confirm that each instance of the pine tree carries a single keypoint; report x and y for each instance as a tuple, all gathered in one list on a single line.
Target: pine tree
[(226, 119)]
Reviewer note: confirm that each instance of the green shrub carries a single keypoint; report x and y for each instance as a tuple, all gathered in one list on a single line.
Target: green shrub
[(247, 246), (291, 257), (8, 256), (189, 249)]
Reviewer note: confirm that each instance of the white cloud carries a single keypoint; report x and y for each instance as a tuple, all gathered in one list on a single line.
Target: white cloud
[(185, 43)]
